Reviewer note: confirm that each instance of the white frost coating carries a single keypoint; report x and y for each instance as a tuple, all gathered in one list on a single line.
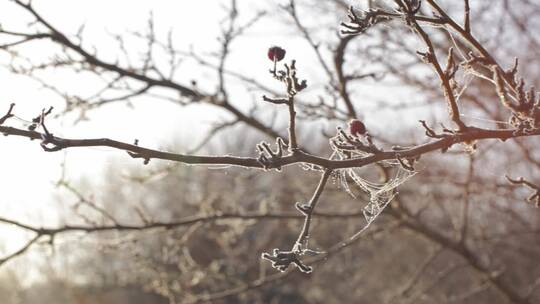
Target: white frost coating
[(380, 194)]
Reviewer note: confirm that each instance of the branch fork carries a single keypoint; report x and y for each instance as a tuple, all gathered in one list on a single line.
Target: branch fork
[(270, 159), (8, 115), (49, 143), (139, 155)]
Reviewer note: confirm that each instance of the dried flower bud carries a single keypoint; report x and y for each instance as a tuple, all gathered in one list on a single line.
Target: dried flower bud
[(276, 53), (356, 127)]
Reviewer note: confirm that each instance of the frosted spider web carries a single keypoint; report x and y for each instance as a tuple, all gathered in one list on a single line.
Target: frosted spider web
[(380, 193)]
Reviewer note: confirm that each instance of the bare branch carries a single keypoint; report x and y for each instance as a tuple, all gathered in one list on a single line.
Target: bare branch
[(535, 196)]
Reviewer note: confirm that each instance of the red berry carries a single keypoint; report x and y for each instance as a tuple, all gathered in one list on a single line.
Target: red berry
[(276, 53), (356, 127)]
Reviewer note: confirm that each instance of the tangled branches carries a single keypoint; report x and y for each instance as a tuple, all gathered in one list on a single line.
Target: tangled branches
[(351, 150)]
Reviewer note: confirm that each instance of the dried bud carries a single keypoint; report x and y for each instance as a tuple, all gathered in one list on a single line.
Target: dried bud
[(356, 127), (276, 53)]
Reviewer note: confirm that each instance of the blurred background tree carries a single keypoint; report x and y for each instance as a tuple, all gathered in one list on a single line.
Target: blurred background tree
[(457, 231)]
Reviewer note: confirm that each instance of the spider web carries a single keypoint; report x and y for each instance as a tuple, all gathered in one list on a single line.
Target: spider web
[(380, 193)]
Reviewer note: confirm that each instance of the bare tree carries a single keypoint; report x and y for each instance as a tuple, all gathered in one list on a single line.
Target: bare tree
[(466, 224)]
